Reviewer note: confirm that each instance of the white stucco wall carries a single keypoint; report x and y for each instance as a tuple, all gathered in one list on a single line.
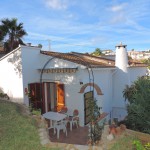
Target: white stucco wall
[(11, 75), (120, 80), (103, 78), (136, 72), (119, 105), (31, 61)]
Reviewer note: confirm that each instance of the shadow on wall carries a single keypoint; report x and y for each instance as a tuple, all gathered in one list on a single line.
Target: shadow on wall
[(15, 59)]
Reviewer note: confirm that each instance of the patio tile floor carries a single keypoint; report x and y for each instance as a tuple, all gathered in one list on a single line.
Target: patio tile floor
[(76, 136)]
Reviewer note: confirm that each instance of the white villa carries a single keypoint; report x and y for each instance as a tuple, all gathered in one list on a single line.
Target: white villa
[(56, 79)]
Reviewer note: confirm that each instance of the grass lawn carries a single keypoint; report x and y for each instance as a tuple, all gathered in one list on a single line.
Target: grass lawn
[(124, 143), (130, 141), (17, 130)]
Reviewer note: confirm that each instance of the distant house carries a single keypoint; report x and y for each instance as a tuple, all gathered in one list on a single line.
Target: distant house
[(54, 79), (138, 55), (107, 51)]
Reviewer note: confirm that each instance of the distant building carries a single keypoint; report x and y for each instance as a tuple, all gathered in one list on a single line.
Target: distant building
[(107, 51), (138, 55)]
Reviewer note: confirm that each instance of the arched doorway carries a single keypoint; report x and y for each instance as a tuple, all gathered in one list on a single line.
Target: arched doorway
[(96, 87), (87, 96)]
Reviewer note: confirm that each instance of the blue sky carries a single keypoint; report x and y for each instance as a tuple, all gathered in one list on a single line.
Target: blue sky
[(82, 25)]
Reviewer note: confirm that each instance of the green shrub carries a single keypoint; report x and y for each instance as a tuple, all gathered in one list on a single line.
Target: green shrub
[(147, 146), (36, 112), (138, 145), (138, 95), (3, 95)]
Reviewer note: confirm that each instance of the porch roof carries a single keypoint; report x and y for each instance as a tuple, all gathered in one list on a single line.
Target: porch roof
[(59, 70)]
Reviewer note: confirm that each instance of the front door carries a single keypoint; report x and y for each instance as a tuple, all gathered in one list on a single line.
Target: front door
[(60, 96), (50, 97), (54, 96)]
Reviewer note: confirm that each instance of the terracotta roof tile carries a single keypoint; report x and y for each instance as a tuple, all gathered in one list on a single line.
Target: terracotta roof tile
[(89, 60), (83, 59), (136, 64)]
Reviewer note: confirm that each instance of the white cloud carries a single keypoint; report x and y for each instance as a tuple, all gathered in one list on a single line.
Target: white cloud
[(118, 13), (119, 18), (97, 40), (44, 37), (56, 4), (119, 7)]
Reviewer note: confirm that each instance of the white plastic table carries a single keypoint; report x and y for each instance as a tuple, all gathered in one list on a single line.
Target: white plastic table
[(54, 116)]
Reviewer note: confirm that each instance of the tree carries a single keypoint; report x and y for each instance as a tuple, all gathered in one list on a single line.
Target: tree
[(40, 45), (97, 52), (11, 33), (146, 61), (138, 95)]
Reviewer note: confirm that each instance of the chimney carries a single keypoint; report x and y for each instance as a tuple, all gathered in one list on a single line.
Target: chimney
[(121, 60), (120, 79)]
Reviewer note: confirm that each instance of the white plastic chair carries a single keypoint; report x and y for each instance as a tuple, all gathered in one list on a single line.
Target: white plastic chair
[(74, 120), (60, 125)]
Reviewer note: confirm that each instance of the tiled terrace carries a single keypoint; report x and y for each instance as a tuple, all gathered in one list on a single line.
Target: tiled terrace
[(76, 136)]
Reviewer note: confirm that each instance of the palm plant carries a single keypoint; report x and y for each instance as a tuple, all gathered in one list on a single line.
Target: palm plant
[(129, 92), (11, 33)]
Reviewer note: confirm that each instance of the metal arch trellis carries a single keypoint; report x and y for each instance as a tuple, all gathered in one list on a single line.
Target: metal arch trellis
[(47, 62)]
